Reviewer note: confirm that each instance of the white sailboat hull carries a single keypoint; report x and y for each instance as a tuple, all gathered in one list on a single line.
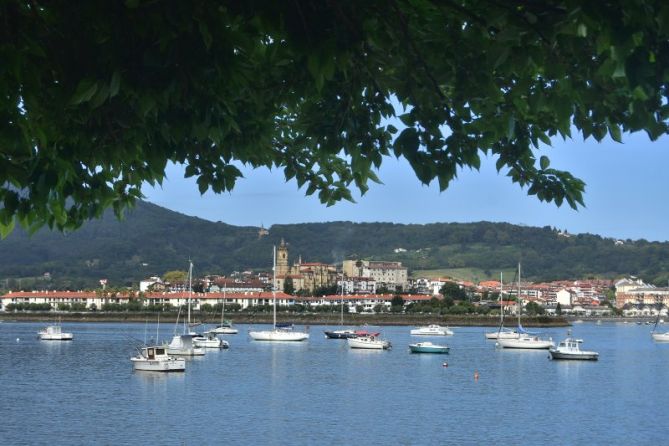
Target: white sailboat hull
[(225, 330), (278, 335), (660, 337), (182, 345), (526, 343)]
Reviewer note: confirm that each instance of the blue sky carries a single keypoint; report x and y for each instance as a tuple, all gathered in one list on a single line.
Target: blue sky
[(625, 194)]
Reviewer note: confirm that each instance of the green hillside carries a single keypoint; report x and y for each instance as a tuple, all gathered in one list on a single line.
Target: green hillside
[(152, 240)]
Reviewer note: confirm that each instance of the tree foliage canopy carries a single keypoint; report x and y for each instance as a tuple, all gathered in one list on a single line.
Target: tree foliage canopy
[(97, 97)]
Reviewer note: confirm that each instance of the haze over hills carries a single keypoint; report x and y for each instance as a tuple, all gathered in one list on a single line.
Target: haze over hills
[(152, 240)]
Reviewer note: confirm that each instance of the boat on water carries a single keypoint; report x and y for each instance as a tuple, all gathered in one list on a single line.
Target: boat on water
[(225, 327), (501, 332), (278, 332), (524, 339), (342, 333), (156, 359), (370, 342), (660, 337), (209, 340), (570, 348), (182, 344), (54, 333), (428, 347), (432, 330)]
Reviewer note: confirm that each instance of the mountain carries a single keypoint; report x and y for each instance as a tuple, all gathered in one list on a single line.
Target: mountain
[(152, 240)]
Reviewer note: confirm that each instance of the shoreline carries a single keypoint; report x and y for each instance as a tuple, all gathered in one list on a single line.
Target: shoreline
[(298, 319)]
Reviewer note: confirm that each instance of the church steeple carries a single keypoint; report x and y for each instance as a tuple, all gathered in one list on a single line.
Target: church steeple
[(282, 259)]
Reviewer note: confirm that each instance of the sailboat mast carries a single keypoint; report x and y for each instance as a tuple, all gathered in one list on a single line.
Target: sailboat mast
[(501, 304), (341, 315), (518, 300), (274, 283), (190, 287)]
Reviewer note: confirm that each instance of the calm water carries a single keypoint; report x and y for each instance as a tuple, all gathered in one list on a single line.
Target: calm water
[(321, 392)]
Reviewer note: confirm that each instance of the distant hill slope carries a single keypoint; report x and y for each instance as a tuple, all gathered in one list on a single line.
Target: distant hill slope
[(152, 240)]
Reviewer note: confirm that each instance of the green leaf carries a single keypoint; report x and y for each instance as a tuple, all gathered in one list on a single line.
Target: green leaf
[(115, 84), (544, 162), (84, 92)]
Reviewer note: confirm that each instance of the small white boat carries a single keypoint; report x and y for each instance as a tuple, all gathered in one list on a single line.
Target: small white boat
[(156, 359), (209, 340), (54, 333), (428, 347), (527, 342), (660, 337), (225, 329), (182, 345), (370, 342), (277, 334), (524, 340), (432, 330), (570, 349)]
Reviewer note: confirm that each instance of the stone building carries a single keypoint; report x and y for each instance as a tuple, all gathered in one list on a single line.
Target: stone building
[(307, 276)]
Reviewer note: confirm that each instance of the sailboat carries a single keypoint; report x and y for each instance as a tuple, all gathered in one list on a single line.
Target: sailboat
[(501, 332), (277, 333), (182, 345), (225, 327), (524, 340), (659, 337), (341, 333)]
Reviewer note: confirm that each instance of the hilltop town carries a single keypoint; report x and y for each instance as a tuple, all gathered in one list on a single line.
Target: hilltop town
[(363, 286)]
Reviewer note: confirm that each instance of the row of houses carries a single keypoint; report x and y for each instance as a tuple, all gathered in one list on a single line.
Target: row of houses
[(92, 299)]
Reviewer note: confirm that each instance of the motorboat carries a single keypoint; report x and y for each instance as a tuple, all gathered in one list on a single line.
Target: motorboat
[(432, 330), (156, 359), (570, 349), (370, 342), (54, 333), (428, 347), (660, 337), (278, 332), (340, 334), (209, 340)]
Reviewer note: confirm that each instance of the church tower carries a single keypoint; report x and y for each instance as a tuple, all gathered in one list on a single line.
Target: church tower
[(282, 259)]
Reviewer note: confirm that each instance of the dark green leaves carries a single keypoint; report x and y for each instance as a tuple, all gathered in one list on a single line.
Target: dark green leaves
[(104, 95)]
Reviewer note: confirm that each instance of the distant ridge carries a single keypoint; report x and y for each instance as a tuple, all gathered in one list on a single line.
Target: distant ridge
[(152, 240)]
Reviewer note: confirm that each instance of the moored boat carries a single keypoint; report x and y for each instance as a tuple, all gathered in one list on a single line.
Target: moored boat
[(54, 333), (340, 334), (428, 347), (432, 330), (570, 349), (156, 359), (660, 337), (369, 342), (209, 340)]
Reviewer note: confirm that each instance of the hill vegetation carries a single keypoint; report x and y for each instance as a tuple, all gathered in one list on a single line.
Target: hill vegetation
[(152, 240)]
